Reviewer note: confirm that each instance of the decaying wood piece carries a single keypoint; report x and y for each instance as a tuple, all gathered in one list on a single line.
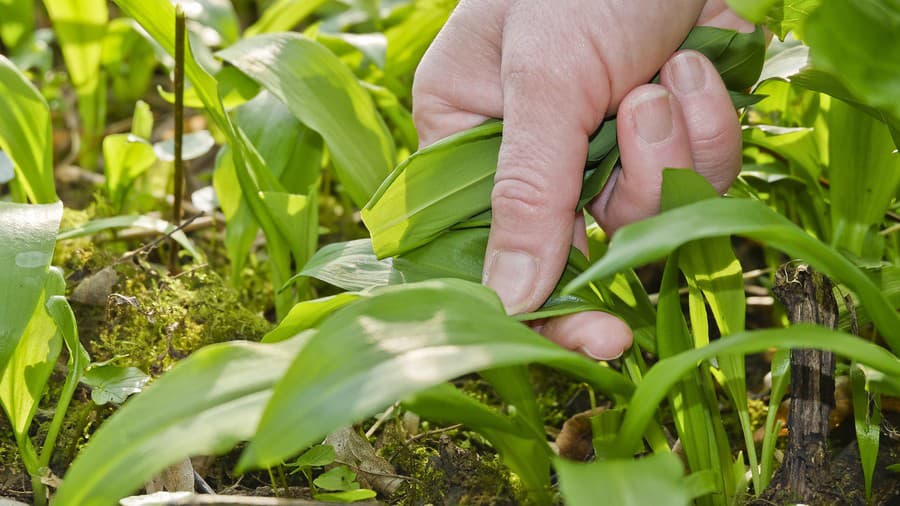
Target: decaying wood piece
[(372, 470), (804, 476), (178, 477)]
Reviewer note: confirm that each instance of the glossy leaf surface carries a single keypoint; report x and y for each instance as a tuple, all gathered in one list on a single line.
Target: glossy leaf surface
[(25, 134), (213, 400), (651, 239), (325, 95), (400, 341), (27, 239)]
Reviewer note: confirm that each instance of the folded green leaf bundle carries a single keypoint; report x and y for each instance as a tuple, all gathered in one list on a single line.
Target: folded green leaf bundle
[(451, 181)]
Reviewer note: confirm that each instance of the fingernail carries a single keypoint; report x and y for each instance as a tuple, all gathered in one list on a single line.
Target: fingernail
[(688, 72), (598, 356), (512, 274), (653, 115)]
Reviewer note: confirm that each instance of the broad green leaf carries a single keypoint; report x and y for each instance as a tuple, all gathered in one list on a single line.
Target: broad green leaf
[(714, 275), (752, 10), (282, 16), (711, 263), (689, 404), (625, 295), (864, 172), (788, 16), (447, 404), (390, 345), (292, 152), (653, 238), (595, 178), (27, 238), (216, 14), (737, 56), (59, 310), (306, 315), (79, 26), (434, 189), (781, 380), (350, 266), (17, 21), (338, 478), (325, 95), (126, 157), (213, 400), (867, 422), (361, 52), (879, 383), (291, 146), (129, 60), (235, 88), (25, 134), (195, 145), (294, 219), (459, 254), (28, 369), (851, 41), (667, 372), (396, 114), (451, 180), (317, 456), (795, 144), (132, 221), (408, 40), (297, 218), (142, 120), (111, 383), (346, 496), (658, 479)]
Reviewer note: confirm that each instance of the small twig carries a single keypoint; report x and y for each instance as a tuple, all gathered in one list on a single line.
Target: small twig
[(201, 485), (71, 119), (890, 230), (433, 432), (179, 130), (381, 419), (150, 246), (191, 270), (137, 234)]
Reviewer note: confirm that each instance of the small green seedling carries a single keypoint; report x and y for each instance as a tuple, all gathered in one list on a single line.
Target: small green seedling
[(339, 482)]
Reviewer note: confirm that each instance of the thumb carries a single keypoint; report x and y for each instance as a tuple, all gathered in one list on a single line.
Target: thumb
[(548, 115)]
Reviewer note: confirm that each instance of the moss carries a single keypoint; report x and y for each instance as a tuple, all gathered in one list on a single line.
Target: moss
[(10, 463), (446, 473), (758, 411), (558, 395), (155, 320)]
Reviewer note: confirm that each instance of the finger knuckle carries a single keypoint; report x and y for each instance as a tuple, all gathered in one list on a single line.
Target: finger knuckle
[(515, 195)]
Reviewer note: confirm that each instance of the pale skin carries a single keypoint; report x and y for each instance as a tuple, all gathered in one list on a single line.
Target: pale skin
[(553, 70)]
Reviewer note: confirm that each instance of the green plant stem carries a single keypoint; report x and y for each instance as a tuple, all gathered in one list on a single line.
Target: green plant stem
[(39, 490), (56, 424), (273, 482), (33, 466), (179, 131)]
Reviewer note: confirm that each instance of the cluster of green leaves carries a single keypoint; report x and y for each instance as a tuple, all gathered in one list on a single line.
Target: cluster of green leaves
[(295, 110)]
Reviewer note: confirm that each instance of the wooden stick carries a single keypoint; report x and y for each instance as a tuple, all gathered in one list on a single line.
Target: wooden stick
[(179, 132)]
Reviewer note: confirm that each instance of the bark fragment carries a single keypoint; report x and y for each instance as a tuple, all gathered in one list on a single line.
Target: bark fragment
[(804, 475)]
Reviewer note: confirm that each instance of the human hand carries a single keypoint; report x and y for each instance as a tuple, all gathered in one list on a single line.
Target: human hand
[(553, 70)]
